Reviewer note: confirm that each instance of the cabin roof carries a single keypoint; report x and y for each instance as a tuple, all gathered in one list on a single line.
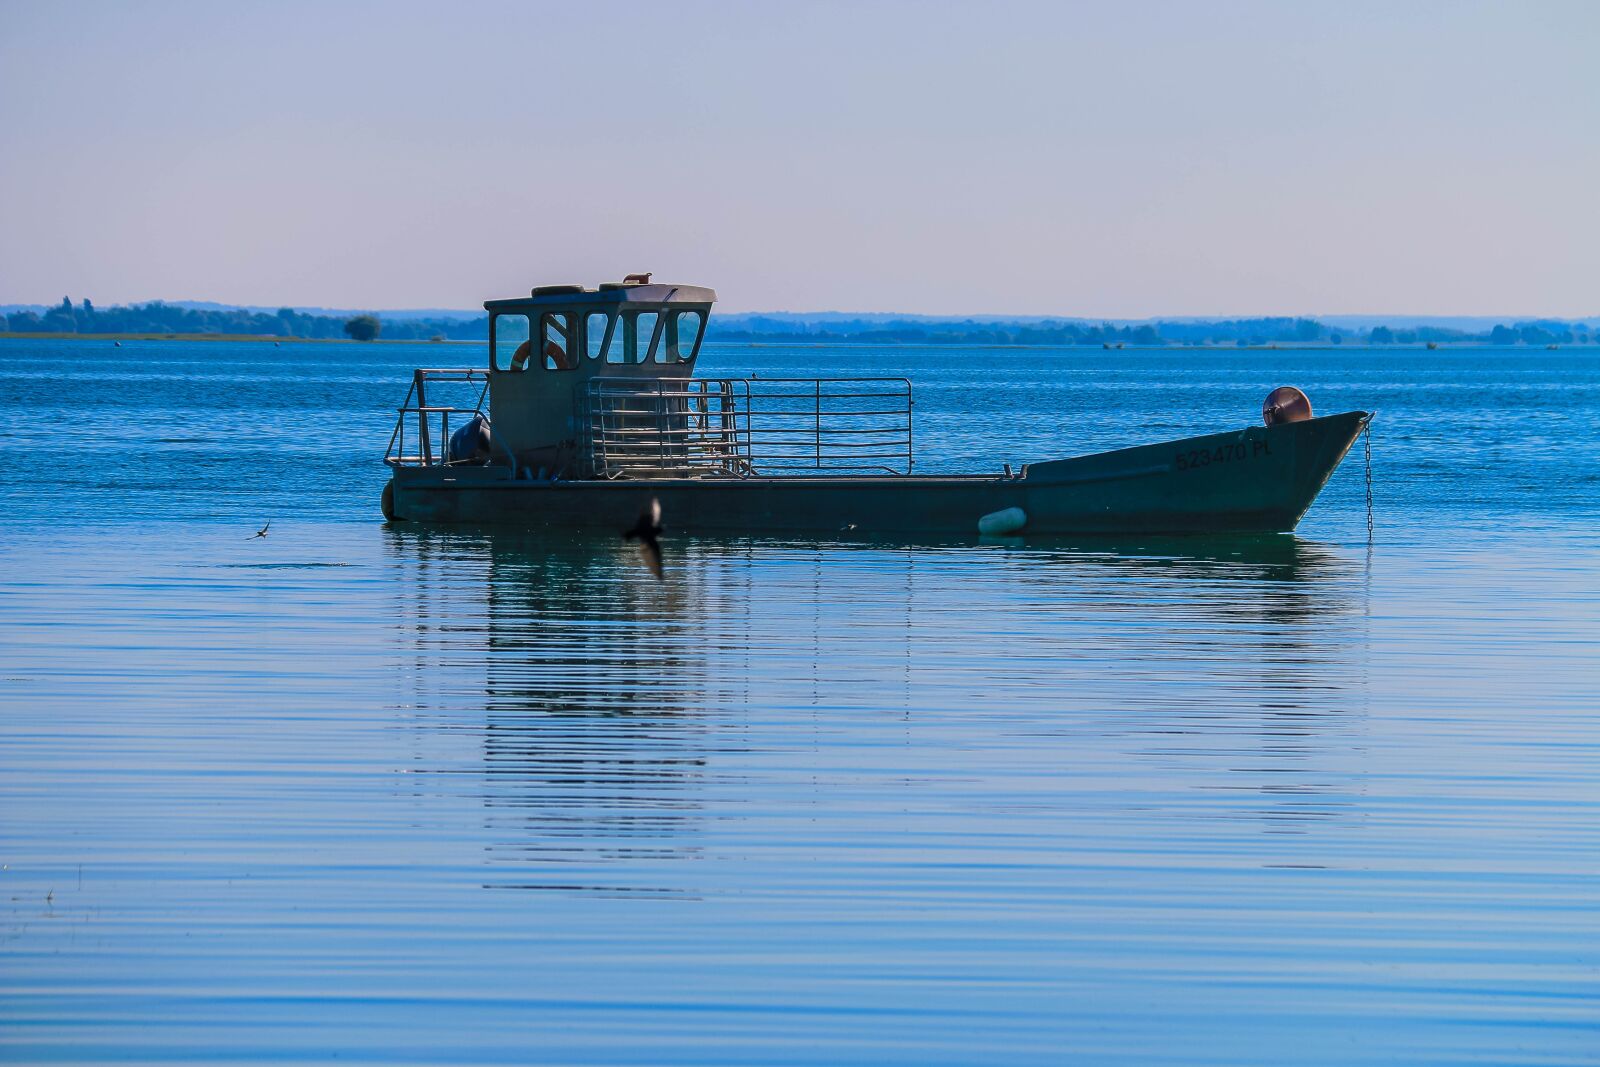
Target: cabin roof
[(609, 294)]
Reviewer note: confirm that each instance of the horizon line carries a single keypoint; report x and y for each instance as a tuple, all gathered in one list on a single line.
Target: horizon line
[(418, 312)]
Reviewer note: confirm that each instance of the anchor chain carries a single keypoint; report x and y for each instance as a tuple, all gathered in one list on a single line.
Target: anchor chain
[(1366, 441)]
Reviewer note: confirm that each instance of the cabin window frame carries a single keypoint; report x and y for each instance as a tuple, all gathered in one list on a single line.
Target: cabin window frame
[(495, 346), (619, 345), (599, 355), (567, 336), (622, 346), (644, 353), (673, 345)]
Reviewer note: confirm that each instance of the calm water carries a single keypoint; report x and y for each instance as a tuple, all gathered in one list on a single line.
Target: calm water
[(409, 795)]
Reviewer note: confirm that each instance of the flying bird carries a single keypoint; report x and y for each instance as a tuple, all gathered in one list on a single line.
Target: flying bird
[(646, 531), (259, 533)]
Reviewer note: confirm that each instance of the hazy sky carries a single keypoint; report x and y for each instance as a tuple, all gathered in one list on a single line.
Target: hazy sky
[(1115, 159)]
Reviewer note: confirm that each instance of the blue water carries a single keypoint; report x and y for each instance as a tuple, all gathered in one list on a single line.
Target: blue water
[(394, 794)]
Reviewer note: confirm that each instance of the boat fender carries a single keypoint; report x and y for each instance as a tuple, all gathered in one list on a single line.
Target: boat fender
[(1006, 521), (1285, 404), (471, 443), (386, 501)]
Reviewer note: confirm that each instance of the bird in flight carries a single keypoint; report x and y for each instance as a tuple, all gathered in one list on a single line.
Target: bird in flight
[(646, 531), (259, 533)]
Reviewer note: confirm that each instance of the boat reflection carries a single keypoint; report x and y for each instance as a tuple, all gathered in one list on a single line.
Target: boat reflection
[(580, 675), (1259, 688), (619, 718)]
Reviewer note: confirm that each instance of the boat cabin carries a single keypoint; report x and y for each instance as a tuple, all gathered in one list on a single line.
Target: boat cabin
[(545, 349)]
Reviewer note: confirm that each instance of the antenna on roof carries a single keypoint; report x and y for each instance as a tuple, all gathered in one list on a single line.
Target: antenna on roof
[(638, 279)]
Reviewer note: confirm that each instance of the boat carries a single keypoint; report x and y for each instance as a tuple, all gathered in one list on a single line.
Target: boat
[(588, 409)]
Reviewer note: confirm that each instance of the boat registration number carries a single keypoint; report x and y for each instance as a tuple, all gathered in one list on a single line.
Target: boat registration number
[(1204, 457)]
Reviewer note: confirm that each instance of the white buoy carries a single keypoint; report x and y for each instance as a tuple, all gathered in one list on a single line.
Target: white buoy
[(1008, 521)]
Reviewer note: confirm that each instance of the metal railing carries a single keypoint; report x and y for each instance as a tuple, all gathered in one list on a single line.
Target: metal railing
[(744, 427), (432, 421)]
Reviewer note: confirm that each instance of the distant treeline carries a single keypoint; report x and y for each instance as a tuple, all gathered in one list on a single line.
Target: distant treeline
[(1223, 332), (159, 318)]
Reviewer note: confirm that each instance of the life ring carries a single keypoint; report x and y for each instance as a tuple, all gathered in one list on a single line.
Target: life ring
[(519, 359), (558, 356)]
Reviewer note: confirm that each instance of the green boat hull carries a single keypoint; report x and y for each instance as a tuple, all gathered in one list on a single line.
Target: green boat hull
[(1256, 480)]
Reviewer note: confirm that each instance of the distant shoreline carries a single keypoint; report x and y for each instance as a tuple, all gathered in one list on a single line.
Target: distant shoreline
[(12, 335), (1276, 346), (158, 320)]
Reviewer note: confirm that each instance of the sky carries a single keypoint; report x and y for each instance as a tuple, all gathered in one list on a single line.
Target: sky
[(1099, 159)]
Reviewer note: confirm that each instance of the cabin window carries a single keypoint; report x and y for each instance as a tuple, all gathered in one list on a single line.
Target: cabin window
[(620, 348), (683, 337), (647, 328), (556, 341), (597, 333), (508, 342)]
